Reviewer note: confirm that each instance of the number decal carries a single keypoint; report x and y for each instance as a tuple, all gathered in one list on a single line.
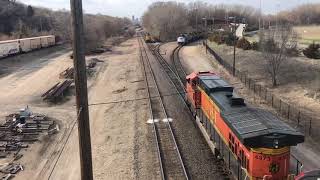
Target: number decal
[(263, 157)]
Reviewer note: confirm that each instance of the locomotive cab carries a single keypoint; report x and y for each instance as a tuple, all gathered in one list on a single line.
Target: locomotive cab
[(193, 93)]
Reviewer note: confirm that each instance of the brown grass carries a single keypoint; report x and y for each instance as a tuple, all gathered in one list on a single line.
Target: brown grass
[(308, 34)]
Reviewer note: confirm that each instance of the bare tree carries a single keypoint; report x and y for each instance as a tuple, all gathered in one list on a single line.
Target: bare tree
[(166, 19), (276, 46)]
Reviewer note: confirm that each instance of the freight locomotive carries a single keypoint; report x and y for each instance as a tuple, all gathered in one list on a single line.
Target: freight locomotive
[(12, 47), (254, 143), (181, 40), (187, 38)]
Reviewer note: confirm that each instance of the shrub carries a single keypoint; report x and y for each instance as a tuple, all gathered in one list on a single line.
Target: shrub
[(216, 38), (293, 51), (219, 39), (230, 39), (312, 51), (269, 45), (255, 46), (211, 38), (244, 44)]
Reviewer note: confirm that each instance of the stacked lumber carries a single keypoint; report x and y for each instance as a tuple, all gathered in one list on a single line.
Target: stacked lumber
[(67, 74), (57, 91)]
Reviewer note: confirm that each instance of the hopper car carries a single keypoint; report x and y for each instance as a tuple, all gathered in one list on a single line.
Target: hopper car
[(17, 46), (254, 143)]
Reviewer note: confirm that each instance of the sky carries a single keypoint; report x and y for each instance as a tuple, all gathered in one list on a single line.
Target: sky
[(127, 8)]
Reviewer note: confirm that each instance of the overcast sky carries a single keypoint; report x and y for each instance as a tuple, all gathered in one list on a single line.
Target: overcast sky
[(128, 8)]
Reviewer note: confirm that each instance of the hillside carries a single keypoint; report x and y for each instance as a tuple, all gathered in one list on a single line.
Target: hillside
[(20, 20)]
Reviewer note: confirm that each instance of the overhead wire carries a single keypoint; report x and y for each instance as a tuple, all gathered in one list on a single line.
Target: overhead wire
[(138, 99), (64, 144)]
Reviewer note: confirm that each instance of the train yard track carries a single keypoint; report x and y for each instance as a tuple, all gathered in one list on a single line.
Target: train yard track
[(170, 160), (175, 78), (177, 64)]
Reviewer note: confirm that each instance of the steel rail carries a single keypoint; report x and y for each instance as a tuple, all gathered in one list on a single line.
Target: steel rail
[(177, 64), (173, 75), (150, 108), (169, 168)]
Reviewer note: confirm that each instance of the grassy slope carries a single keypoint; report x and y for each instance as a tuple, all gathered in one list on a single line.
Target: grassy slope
[(308, 34)]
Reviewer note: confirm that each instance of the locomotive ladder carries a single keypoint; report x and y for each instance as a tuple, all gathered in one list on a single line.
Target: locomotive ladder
[(171, 163)]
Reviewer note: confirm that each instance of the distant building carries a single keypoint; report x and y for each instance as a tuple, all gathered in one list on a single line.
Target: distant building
[(135, 21)]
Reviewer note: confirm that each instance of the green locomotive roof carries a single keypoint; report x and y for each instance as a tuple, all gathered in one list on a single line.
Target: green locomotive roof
[(255, 128)]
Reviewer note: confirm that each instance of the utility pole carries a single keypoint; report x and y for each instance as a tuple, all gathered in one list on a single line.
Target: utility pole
[(234, 47), (81, 90), (197, 20), (260, 14)]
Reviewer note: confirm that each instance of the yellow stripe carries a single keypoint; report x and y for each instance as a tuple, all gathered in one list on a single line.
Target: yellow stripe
[(271, 151), (214, 104)]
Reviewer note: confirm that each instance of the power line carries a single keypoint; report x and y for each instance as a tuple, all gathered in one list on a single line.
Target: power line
[(138, 99), (178, 93), (65, 143)]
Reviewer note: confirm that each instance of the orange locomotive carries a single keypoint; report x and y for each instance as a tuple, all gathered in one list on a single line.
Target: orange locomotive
[(254, 143)]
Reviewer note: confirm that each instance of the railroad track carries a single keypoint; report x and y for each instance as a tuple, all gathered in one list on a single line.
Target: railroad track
[(170, 160), (177, 64), (172, 73)]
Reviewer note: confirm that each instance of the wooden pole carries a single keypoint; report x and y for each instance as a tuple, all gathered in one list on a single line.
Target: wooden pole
[(81, 90), (234, 48)]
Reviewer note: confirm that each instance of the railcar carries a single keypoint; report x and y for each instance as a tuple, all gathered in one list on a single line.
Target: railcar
[(47, 41), (8, 48), (254, 143), (181, 40), (24, 45)]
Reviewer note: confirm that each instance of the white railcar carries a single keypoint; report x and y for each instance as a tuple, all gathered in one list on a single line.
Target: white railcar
[(9, 48), (35, 43), (51, 40), (25, 45), (44, 41)]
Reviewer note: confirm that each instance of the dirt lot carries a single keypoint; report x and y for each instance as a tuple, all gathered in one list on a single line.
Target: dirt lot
[(121, 145), (194, 58)]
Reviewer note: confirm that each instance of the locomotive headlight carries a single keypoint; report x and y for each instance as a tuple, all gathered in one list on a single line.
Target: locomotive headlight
[(276, 143)]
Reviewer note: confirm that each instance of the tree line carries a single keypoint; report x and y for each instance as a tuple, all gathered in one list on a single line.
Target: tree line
[(169, 19), (306, 14), (19, 21)]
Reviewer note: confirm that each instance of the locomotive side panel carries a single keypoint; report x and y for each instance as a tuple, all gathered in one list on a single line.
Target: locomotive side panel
[(191, 95), (273, 165), (208, 107)]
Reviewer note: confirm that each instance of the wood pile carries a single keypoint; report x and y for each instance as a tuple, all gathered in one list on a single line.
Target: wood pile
[(57, 91), (67, 74)]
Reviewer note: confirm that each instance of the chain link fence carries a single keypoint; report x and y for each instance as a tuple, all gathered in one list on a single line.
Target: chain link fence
[(296, 115)]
